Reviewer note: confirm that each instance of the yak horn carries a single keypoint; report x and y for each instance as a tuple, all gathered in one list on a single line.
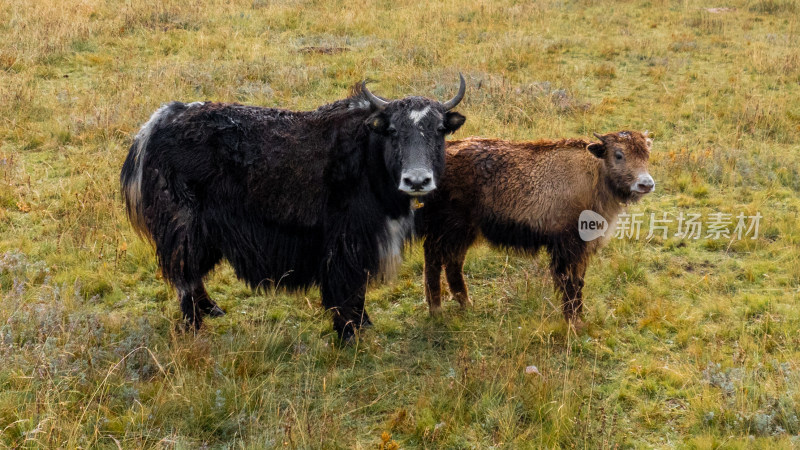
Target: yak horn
[(373, 99), (602, 139), (462, 88)]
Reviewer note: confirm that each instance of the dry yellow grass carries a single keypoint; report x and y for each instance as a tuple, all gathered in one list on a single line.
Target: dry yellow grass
[(690, 343)]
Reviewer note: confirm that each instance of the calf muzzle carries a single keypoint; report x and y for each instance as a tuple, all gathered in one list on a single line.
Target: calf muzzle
[(644, 184)]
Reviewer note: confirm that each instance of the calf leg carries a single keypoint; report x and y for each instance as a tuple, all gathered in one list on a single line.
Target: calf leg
[(569, 282), (568, 267), (455, 279), (433, 286), (449, 232)]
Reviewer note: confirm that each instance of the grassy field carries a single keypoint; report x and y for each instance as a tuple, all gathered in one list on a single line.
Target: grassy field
[(690, 342)]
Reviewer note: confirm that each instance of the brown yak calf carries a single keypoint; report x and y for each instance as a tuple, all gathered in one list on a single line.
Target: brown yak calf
[(528, 195)]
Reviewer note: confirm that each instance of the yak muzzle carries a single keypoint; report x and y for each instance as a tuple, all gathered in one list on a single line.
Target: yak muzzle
[(417, 182)]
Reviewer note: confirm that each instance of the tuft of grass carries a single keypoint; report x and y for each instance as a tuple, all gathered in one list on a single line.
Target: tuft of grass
[(773, 6)]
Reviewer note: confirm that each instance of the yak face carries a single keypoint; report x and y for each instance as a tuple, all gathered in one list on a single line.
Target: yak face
[(625, 155), (410, 133)]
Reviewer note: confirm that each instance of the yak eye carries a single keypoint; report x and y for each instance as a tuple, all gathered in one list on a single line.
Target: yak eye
[(392, 130), (618, 155), (441, 129)]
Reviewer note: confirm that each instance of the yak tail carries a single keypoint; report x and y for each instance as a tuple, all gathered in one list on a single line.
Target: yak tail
[(130, 178)]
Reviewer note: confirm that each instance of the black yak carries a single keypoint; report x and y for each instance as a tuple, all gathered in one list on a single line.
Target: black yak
[(528, 195), (291, 198)]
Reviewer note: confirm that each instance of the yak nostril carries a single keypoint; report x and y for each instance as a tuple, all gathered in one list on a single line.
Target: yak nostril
[(417, 181)]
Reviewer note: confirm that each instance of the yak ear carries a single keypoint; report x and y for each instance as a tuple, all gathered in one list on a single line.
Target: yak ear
[(453, 121), (378, 123), (598, 149)]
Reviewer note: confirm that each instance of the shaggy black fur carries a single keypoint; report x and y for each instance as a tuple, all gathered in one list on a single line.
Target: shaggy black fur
[(289, 198)]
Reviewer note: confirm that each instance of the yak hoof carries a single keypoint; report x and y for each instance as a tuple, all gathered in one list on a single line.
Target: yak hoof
[(366, 322), (577, 324), (216, 311), (348, 330), (436, 311), (187, 325), (347, 336)]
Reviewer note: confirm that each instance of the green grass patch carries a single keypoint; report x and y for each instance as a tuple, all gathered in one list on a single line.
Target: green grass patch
[(689, 342)]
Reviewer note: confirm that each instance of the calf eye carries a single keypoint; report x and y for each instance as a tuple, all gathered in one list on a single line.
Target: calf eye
[(618, 155)]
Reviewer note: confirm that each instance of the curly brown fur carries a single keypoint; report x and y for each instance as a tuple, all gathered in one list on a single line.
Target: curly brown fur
[(525, 196)]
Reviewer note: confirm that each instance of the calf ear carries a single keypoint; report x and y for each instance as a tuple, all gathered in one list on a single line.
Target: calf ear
[(453, 121), (598, 149)]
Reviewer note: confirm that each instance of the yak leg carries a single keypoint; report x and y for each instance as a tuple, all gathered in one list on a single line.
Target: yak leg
[(433, 285), (192, 316), (343, 293), (194, 299), (455, 278), (344, 278), (204, 303), (185, 258), (568, 268), (196, 303), (209, 258)]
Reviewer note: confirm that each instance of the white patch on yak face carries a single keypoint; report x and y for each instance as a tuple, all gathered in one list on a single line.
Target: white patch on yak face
[(643, 184), (390, 244), (417, 115)]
